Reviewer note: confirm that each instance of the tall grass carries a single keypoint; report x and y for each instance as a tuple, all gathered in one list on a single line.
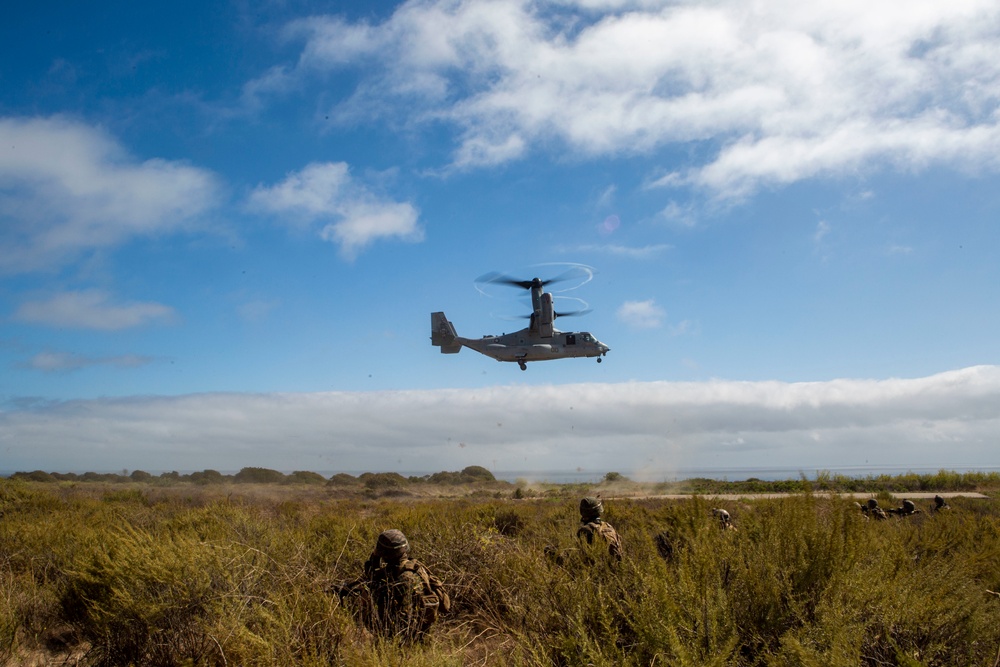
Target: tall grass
[(139, 576)]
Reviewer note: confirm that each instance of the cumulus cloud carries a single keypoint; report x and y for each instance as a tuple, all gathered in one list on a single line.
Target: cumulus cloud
[(775, 91), (350, 214), (641, 314), (91, 309), (947, 420), (67, 188)]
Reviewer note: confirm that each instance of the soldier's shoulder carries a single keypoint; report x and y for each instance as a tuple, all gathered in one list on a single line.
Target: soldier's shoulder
[(414, 565), (606, 528)]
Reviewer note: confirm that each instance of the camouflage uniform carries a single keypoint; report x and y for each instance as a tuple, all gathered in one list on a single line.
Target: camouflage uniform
[(593, 525), (724, 519), (873, 511), (907, 509), (400, 597)]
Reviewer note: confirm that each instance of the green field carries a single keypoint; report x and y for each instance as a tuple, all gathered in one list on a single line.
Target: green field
[(174, 571)]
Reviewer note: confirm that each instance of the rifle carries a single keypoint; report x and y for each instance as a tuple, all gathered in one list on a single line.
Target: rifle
[(344, 589)]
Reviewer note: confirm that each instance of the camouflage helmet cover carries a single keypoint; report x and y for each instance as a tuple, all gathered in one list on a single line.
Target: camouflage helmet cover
[(392, 545), (591, 508), (872, 503)]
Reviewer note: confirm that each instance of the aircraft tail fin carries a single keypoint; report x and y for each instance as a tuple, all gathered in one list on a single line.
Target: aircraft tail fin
[(443, 334)]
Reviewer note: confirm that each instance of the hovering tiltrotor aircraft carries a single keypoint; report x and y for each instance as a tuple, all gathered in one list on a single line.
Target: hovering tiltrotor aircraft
[(538, 342)]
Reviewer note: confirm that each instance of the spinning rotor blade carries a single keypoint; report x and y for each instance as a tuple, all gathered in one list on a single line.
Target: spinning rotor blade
[(582, 309), (574, 313), (497, 278)]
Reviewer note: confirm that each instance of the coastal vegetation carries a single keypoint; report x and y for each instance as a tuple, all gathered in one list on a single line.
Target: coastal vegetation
[(482, 480), (178, 570)]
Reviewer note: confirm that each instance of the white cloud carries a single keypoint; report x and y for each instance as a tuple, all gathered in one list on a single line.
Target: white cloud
[(607, 197), (947, 420), (256, 310), (822, 229), (677, 214), (783, 91), (67, 188), (351, 215), (641, 314), (632, 252), (91, 309), (682, 328), (63, 362)]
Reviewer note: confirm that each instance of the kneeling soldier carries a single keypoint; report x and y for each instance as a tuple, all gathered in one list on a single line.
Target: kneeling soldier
[(401, 595)]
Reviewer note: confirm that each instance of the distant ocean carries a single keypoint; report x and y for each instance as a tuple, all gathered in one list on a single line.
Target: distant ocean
[(593, 476)]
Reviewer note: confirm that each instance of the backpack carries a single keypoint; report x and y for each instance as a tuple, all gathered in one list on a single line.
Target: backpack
[(607, 533), (434, 595)]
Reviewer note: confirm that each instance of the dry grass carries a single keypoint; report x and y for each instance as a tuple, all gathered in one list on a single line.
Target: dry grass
[(98, 574)]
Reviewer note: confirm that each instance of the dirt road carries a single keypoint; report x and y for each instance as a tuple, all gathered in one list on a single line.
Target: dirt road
[(916, 495)]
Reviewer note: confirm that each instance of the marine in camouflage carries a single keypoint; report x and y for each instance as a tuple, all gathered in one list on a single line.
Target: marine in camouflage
[(592, 525), (396, 596), (725, 521), (908, 508), (940, 504), (873, 511)]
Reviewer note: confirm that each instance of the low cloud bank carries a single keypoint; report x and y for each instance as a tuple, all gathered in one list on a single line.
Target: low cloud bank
[(946, 420)]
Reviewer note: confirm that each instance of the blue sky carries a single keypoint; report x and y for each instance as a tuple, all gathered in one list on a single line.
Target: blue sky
[(223, 228)]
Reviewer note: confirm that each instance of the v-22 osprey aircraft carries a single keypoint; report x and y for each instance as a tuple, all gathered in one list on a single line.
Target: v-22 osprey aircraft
[(539, 341)]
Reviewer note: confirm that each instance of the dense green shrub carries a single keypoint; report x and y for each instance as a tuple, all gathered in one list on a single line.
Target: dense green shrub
[(468, 475), (305, 477), (206, 477), (478, 473), (381, 480), (258, 476), (34, 476), (342, 479)]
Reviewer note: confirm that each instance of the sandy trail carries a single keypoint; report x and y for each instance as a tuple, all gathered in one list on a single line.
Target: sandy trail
[(916, 495)]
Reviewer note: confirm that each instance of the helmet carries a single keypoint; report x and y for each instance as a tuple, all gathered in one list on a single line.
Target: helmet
[(908, 506), (722, 514), (872, 503), (591, 508), (392, 545)]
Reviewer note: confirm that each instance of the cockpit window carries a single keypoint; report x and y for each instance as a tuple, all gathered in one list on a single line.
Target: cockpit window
[(587, 337)]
